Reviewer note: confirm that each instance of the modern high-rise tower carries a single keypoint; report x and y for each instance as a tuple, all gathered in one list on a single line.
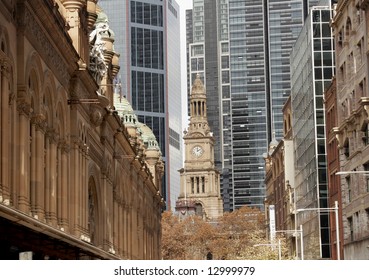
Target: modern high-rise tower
[(147, 36), (312, 68), (241, 50)]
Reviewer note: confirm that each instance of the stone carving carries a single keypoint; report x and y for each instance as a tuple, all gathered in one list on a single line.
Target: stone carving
[(96, 117), (24, 108), (39, 120), (97, 66), (47, 51)]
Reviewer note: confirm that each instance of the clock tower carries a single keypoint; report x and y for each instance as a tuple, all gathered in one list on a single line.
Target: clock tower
[(200, 181)]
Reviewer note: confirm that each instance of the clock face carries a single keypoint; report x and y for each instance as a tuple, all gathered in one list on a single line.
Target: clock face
[(197, 151)]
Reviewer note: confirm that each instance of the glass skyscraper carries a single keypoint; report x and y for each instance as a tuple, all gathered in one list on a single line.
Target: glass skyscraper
[(312, 68), (241, 48), (150, 73)]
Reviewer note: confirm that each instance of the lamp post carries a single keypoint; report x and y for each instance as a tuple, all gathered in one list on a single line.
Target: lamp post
[(335, 209), (272, 245)]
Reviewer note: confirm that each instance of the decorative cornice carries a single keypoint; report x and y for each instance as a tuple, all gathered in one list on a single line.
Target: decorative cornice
[(47, 50)]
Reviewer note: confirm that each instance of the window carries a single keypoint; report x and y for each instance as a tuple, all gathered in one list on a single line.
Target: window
[(351, 228), (365, 134), (366, 168), (346, 148), (348, 183)]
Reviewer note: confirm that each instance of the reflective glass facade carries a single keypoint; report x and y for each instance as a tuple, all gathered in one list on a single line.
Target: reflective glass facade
[(284, 21), (249, 101), (312, 68)]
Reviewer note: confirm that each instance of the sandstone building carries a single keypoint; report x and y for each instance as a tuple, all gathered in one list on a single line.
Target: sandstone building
[(78, 179), (350, 26), (200, 181)]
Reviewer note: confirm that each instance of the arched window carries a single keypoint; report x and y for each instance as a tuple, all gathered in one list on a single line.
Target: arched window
[(92, 211), (348, 27)]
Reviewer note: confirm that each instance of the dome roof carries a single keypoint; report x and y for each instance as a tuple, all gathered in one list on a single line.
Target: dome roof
[(129, 118), (149, 138), (124, 109), (198, 88)]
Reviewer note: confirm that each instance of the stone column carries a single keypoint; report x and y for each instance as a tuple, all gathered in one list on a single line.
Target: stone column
[(39, 166), (25, 111), (64, 202), (58, 182), (75, 189), (4, 135), (125, 230), (32, 167), (84, 192), (53, 177), (47, 175)]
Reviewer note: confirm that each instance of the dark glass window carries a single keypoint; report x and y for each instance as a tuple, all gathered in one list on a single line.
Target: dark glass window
[(148, 96), (147, 13), (154, 15), (161, 56), (134, 89), (134, 46), (327, 44), (316, 30), (326, 30), (318, 73), (140, 91), (155, 49), (138, 12), (155, 91), (140, 50), (147, 39), (133, 11), (317, 45), (160, 16), (326, 16), (317, 59)]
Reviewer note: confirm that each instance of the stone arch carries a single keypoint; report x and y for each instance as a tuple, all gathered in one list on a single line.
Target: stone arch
[(199, 208), (4, 40), (348, 27), (94, 214), (48, 101), (34, 80), (60, 115)]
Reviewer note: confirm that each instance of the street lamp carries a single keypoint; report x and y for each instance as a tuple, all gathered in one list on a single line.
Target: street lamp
[(272, 245), (335, 209)]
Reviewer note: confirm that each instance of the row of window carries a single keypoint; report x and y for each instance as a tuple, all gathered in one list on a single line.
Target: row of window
[(148, 91), (147, 48), (197, 184), (358, 224), (146, 13)]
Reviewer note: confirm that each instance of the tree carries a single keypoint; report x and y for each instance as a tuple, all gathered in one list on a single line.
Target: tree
[(236, 235)]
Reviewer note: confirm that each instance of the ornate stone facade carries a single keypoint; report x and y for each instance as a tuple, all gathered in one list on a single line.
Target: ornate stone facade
[(200, 181), (76, 180), (350, 26)]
